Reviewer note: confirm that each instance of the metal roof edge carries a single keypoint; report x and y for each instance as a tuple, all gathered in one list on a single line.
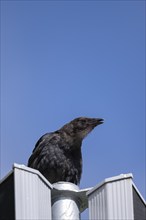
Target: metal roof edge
[(6, 176), (109, 180), (31, 170), (134, 186)]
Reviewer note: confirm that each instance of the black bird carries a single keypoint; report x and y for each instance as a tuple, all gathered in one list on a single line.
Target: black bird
[(57, 155)]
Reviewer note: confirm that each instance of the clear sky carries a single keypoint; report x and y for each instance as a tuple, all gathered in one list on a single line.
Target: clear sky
[(65, 59)]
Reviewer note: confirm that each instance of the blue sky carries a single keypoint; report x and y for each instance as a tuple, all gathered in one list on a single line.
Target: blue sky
[(65, 59)]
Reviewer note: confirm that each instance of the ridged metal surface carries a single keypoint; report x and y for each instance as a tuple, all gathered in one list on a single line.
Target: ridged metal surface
[(97, 204), (116, 198), (32, 195), (120, 200), (112, 199)]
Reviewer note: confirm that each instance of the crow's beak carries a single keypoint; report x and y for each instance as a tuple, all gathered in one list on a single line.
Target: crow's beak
[(97, 121), (100, 120)]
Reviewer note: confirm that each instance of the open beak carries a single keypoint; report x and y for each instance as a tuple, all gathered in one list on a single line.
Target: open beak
[(97, 121)]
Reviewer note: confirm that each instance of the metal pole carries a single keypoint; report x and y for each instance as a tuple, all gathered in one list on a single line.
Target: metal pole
[(68, 201)]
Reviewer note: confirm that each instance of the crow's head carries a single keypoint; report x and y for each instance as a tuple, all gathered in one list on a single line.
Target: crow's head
[(82, 126)]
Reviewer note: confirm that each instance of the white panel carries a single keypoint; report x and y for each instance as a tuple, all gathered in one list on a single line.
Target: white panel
[(119, 200), (97, 205), (32, 196), (112, 199)]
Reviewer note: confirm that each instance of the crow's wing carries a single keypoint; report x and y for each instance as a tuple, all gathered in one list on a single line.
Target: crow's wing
[(47, 157), (53, 159)]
